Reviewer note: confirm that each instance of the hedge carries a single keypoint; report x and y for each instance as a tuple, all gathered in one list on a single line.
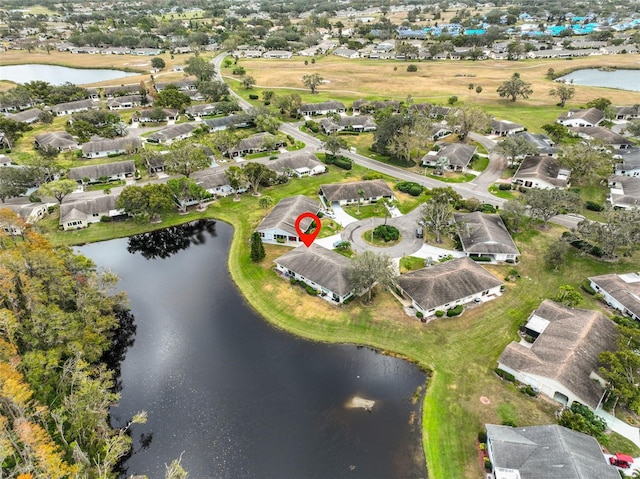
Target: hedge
[(439, 313), (593, 206), (505, 375), (343, 163), (386, 232), (455, 311), (481, 259), (410, 187), (504, 186)]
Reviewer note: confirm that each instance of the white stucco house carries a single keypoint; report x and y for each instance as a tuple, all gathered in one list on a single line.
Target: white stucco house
[(620, 291)]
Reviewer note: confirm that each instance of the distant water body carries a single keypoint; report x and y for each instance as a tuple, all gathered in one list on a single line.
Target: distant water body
[(620, 79), (57, 75)]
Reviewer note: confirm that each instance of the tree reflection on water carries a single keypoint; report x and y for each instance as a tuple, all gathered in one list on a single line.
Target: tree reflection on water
[(169, 241)]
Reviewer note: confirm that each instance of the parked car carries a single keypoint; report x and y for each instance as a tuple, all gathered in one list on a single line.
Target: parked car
[(419, 233), (620, 460)]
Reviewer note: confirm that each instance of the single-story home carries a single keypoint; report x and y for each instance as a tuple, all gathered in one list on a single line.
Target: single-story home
[(330, 106), (172, 133), (446, 285), (156, 115), (280, 54), (107, 147), (346, 53), (297, 164), (620, 291), (279, 225), (629, 162), (264, 141), (624, 191), (347, 193), (116, 91), (216, 181), (458, 154), (230, 121), (119, 170), (319, 268), (547, 451), (59, 140), (127, 101), (366, 106), (544, 144), (156, 162), (485, 235), (359, 123), (71, 107), (182, 85), (586, 117), (80, 214), (27, 116), (29, 212), (608, 137), (198, 111), (505, 127), (542, 172), (562, 361), (432, 111), (627, 112)]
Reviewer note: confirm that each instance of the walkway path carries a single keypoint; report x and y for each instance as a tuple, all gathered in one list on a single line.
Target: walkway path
[(630, 432)]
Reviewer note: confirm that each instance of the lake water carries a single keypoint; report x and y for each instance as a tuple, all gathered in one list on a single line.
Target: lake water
[(240, 398), (621, 79), (57, 75)]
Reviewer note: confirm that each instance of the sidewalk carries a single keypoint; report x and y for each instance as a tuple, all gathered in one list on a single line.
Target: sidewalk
[(630, 432)]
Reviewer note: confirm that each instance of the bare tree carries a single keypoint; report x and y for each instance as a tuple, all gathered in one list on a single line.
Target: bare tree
[(369, 269), (437, 216)]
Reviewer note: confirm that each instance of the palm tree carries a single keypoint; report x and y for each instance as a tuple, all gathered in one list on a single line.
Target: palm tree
[(361, 194)]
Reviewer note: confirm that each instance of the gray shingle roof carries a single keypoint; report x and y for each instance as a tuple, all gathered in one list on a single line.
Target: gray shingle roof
[(589, 115), (567, 350), (81, 209), (623, 288), (630, 187), (320, 265), (173, 131), (542, 142), (447, 282), (110, 145), (544, 168), (56, 139), (284, 214), (293, 161), (601, 133), (349, 191), (325, 105), (459, 154), (504, 126), (630, 159), (31, 114), (550, 451), (74, 105), (104, 170), (481, 233)]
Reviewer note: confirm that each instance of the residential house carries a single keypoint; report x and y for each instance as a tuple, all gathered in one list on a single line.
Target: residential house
[(198, 111), (156, 162), (172, 133), (358, 123), (59, 140), (103, 148), (28, 116), (119, 170), (226, 122), (540, 141), (298, 164), (629, 162), (505, 127), (367, 107), (319, 268), (624, 191), (29, 212), (5, 160), (122, 90), (279, 225), (182, 85), (438, 131), (485, 235), (458, 154), (71, 107), (548, 451), (620, 291), (586, 117), (446, 285), (606, 136), (216, 181), (627, 112), (542, 172), (279, 54), (264, 141), (323, 108), (346, 53), (347, 193), (151, 115), (80, 214), (429, 110), (127, 101), (562, 361)]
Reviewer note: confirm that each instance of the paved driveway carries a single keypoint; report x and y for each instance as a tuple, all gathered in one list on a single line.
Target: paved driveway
[(342, 218)]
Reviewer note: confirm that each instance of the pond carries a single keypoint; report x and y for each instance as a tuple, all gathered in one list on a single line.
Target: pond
[(620, 79), (57, 75), (236, 397)]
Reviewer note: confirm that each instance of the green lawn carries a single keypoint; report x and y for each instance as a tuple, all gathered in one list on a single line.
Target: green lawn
[(480, 164), (366, 211), (532, 117), (460, 352), (450, 177), (411, 263)]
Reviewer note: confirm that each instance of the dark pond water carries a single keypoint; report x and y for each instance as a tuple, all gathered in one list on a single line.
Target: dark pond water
[(621, 79), (241, 399), (57, 75)]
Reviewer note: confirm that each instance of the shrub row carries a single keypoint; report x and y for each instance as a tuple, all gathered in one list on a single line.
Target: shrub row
[(505, 375), (455, 311), (339, 161), (410, 187), (593, 206), (386, 232), (504, 186), (481, 259)]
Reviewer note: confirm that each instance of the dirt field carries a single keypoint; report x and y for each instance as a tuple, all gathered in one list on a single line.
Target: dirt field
[(438, 80)]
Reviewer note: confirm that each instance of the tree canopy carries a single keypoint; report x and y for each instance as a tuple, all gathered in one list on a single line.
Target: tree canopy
[(515, 87), (369, 269)]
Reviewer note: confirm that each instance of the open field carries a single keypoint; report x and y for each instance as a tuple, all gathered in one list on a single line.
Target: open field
[(460, 352), (436, 81)]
